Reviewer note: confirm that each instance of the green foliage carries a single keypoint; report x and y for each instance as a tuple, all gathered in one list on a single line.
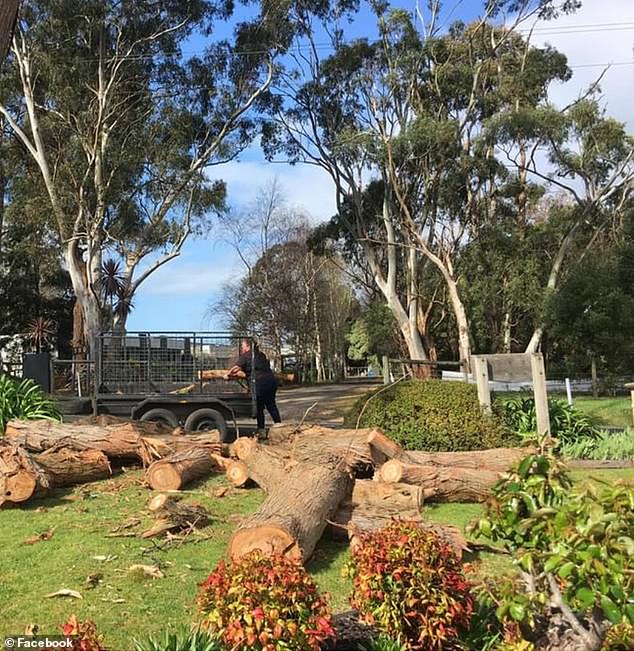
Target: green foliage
[(84, 634), (430, 415), (185, 639), (24, 400), (264, 603), (567, 425), (410, 583), (617, 446), (384, 643), (573, 546)]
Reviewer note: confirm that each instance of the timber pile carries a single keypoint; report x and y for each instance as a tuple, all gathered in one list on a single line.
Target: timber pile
[(38, 455), (352, 481), (302, 468)]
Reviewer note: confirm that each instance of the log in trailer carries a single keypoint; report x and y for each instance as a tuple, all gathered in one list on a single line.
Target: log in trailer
[(172, 377)]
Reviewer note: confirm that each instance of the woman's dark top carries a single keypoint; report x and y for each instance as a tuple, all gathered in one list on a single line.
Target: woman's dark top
[(261, 364)]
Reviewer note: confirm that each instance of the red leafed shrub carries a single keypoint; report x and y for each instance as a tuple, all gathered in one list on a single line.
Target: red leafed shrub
[(410, 583), (263, 603), (84, 634)]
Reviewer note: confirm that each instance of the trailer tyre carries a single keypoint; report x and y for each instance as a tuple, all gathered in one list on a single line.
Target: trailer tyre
[(204, 419), (159, 415)]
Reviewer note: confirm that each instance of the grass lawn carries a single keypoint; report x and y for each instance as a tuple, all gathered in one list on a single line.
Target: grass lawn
[(616, 412), (124, 604)]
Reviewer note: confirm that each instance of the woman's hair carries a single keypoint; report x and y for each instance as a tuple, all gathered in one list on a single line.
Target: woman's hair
[(251, 344)]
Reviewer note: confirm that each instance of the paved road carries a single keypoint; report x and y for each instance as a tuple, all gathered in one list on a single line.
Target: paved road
[(327, 403)]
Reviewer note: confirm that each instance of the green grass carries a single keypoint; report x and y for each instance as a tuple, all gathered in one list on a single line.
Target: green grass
[(616, 412), (125, 605)]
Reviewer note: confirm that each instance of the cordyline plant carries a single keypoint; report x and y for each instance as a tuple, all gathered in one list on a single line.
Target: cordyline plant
[(264, 603), (24, 400), (410, 583), (573, 547)]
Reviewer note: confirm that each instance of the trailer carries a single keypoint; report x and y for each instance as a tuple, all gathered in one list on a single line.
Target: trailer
[(172, 377)]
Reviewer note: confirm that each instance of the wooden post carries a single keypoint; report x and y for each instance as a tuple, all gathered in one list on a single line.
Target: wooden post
[(595, 392), (481, 374), (539, 391), (630, 386), (386, 370)]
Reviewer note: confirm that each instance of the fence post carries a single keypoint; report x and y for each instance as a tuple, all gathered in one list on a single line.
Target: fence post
[(481, 373), (386, 370), (595, 391), (539, 391)]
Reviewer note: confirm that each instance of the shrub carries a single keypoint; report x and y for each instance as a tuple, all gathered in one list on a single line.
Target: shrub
[(431, 415), (84, 634), (24, 400), (618, 446), (264, 603), (573, 547), (384, 643), (181, 640), (567, 425), (410, 584)]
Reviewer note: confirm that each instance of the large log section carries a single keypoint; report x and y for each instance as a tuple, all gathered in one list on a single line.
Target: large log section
[(177, 470), (441, 483), (23, 476), (295, 513), (121, 441)]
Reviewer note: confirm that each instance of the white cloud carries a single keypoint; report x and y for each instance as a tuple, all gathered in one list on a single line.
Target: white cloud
[(601, 32), (306, 187), (190, 278)]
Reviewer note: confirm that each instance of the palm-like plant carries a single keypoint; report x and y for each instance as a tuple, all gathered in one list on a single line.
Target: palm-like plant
[(41, 332)]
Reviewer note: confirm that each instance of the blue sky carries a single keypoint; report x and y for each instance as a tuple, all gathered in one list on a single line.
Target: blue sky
[(177, 297)]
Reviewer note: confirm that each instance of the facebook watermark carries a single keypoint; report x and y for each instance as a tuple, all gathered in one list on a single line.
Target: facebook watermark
[(38, 642)]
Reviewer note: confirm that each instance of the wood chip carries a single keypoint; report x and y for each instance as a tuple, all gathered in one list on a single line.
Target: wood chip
[(64, 592), (147, 570)]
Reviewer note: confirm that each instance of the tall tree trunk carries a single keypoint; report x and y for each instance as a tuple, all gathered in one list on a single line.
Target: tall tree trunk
[(460, 313)]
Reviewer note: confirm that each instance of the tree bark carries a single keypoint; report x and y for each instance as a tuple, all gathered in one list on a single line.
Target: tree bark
[(495, 459), (294, 515), (179, 469), (441, 483), (21, 478), (384, 446), (263, 466), (119, 440), (401, 496), (67, 467)]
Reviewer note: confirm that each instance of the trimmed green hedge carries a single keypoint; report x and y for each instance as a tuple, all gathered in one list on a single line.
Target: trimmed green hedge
[(431, 415)]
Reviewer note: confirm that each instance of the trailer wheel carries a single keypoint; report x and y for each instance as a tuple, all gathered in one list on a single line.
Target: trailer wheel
[(159, 415), (204, 419)]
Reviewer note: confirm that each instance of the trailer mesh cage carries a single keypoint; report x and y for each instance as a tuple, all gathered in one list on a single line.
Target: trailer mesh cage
[(174, 362)]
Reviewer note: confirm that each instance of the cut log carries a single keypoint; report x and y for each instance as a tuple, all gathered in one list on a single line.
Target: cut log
[(441, 483), (398, 496), (496, 459), (378, 441), (178, 470), (352, 521), (294, 515), (174, 515), (263, 466), (119, 440), (21, 478), (67, 467), (237, 473)]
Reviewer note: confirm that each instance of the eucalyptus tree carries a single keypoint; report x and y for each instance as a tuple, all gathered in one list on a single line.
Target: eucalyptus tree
[(409, 109), (125, 126)]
